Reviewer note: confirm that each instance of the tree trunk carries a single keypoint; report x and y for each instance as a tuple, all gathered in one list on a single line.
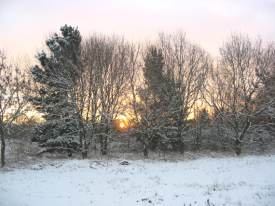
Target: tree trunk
[(181, 146), (83, 142), (145, 144), (239, 138), (237, 146), (3, 147), (180, 142), (145, 150), (104, 145), (84, 151), (104, 137), (179, 138)]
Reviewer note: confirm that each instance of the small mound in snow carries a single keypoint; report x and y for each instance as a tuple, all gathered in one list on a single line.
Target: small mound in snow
[(124, 163)]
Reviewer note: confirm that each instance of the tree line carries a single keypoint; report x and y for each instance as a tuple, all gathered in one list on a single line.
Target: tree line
[(175, 95)]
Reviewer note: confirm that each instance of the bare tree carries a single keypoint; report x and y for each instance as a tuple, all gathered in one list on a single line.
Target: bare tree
[(12, 103), (175, 85), (107, 64), (234, 84), (187, 65), (79, 94), (265, 99)]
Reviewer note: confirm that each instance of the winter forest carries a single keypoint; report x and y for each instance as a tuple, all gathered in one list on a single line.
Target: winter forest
[(167, 96), (103, 106)]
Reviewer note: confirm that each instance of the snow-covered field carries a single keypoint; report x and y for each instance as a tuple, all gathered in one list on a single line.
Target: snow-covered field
[(206, 181)]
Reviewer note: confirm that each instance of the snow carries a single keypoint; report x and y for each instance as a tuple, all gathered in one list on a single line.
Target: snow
[(242, 181)]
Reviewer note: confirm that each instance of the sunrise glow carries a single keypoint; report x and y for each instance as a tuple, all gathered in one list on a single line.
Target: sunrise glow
[(122, 123), (135, 102)]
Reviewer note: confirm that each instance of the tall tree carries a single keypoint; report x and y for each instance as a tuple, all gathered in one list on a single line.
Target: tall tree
[(12, 102), (57, 78), (201, 122), (107, 63), (234, 83), (154, 108), (150, 96), (187, 66), (265, 99)]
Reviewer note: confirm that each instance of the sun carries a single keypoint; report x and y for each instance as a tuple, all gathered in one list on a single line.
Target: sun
[(122, 125)]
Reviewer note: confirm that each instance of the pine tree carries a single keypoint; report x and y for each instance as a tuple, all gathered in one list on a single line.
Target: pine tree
[(57, 77), (202, 123), (153, 72), (157, 108)]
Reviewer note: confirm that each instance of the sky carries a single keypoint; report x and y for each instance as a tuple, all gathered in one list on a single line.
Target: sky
[(25, 24)]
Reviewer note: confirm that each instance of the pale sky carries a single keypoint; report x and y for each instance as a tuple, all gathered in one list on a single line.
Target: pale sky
[(25, 24)]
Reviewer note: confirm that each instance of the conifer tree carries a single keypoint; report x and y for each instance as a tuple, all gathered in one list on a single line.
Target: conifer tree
[(157, 108), (55, 96)]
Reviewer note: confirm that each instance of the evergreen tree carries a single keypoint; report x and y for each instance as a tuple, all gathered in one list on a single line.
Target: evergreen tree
[(57, 77), (202, 123), (153, 72), (158, 106)]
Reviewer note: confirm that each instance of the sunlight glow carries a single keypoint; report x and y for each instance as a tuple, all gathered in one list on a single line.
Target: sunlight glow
[(122, 125)]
